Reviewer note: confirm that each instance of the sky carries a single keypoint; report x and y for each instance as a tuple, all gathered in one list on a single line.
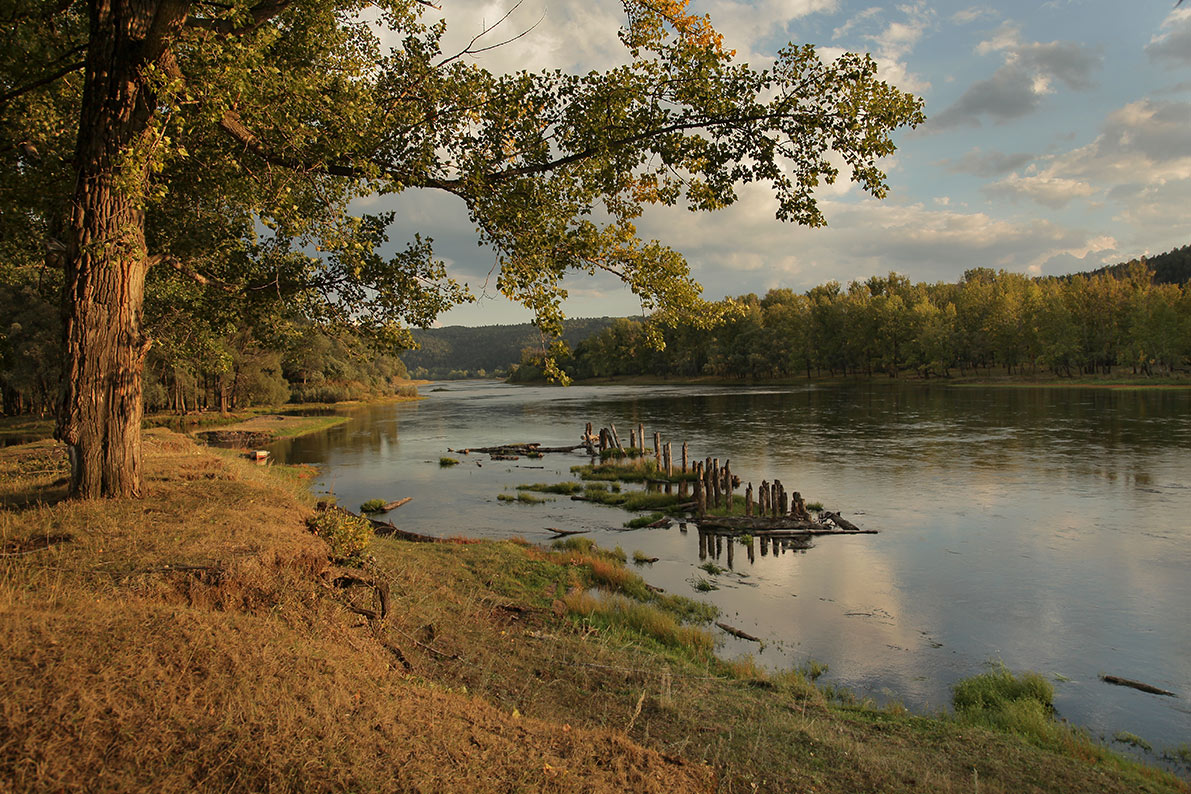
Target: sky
[(1058, 139)]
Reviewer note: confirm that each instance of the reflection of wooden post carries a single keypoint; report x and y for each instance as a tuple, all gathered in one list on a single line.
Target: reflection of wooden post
[(764, 545), (731, 549), (702, 545), (748, 500), (669, 460), (684, 457), (719, 546), (752, 550), (657, 450)]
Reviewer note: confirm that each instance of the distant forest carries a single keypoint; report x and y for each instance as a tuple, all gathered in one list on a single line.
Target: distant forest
[(1121, 316), (488, 351)]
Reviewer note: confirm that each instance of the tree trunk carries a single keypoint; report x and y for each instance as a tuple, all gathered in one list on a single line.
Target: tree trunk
[(100, 414)]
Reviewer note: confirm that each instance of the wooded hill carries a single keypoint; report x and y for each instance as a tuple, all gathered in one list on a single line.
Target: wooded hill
[(487, 351), (1079, 324)]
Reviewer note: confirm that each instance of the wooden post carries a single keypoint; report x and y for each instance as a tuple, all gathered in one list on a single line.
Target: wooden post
[(700, 494), (669, 460), (798, 507), (641, 436), (684, 457), (748, 500), (763, 499), (632, 438), (657, 450), (603, 440), (616, 437), (716, 481), (728, 486)]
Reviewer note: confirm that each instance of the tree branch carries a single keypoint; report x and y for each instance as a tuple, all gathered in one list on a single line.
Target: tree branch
[(58, 75), (260, 14)]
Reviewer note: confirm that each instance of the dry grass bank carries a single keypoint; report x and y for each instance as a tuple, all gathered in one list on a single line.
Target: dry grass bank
[(194, 640)]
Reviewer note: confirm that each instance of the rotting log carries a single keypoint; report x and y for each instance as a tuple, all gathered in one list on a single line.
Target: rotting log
[(395, 504), (735, 632), (615, 437), (562, 533)]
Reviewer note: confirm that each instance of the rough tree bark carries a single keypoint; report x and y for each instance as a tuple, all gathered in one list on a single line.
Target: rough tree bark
[(100, 414)]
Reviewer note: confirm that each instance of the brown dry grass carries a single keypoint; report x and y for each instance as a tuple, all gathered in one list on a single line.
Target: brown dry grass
[(189, 641), (192, 641)]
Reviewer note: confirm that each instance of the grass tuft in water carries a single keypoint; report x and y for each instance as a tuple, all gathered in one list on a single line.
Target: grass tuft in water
[(445, 462)]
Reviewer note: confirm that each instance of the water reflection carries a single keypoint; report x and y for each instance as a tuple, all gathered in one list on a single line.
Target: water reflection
[(1043, 527)]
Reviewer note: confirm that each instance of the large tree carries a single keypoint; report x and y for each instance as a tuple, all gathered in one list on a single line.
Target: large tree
[(222, 142)]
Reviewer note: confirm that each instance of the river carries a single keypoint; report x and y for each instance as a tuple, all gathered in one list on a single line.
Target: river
[(1046, 528)]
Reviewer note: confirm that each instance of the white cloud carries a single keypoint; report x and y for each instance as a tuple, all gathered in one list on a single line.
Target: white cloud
[(1051, 191), (973, 14)]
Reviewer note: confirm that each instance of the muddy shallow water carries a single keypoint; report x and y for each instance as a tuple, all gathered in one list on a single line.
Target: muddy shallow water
[(1046, 528)]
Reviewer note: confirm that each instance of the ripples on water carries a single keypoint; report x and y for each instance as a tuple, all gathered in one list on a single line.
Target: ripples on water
[(1047, 528)]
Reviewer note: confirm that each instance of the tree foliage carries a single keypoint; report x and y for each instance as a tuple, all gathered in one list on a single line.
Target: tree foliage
[(1081, 324), (223, 143)]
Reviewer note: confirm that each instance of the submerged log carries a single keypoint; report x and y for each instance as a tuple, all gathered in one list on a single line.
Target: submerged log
[(562, 533), (395, 504), (1138, 685), (735, 632)]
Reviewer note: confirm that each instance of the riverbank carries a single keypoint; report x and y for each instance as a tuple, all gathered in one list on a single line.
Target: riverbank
[(289, 420), (196, 639)]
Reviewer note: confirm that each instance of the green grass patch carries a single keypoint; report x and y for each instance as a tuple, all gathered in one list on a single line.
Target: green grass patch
[(445, 461), (643, 521), (522, 498), (1124, 737), (712, 568), (1002, 701), (373, 506), (637, 470), (702, 585), (564, 488), (814, 507)]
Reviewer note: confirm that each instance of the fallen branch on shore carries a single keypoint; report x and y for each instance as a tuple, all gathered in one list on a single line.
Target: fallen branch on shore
[(1138, 685)]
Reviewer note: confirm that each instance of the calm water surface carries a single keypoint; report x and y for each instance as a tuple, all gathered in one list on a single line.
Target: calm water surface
[(1047, 528)]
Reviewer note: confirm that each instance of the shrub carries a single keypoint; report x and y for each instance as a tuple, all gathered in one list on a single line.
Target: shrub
[(347, 535), (1014, 704)]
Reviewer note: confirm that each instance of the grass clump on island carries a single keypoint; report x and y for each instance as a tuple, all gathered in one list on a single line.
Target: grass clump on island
[(504, 663), (523, 498), (445, 462)]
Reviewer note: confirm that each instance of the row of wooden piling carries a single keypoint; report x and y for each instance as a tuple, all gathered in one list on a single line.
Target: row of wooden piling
[(714, 485), (663, 454)]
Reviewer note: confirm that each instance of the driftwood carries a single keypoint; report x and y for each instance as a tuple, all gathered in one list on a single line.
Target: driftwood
[(735, 632), (394, 505), (562, 533), (385, 529), (776, 527), (661, 523), (840, 522), (516, 449), (1153, 690)]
